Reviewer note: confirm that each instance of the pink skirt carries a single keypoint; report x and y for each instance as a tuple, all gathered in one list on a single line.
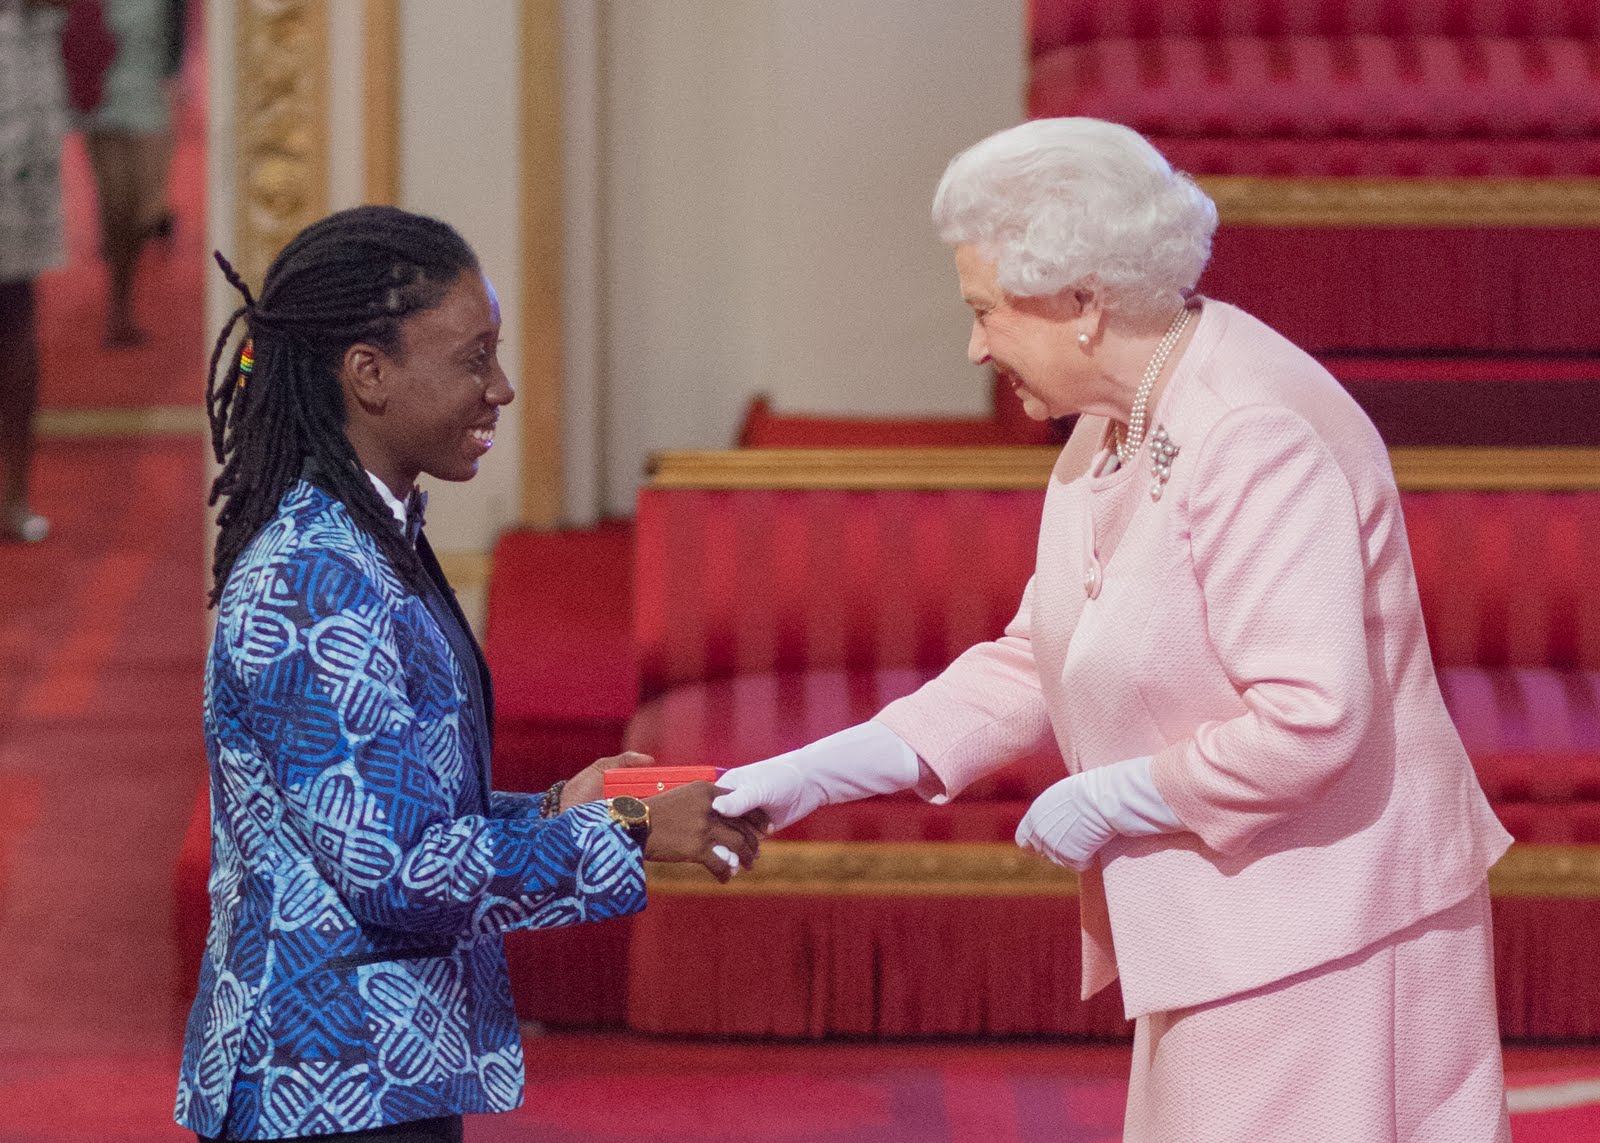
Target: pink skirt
[(1397, 1043)]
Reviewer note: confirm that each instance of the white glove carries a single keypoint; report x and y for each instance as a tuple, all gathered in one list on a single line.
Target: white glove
[(864, 760), (1070, 821)]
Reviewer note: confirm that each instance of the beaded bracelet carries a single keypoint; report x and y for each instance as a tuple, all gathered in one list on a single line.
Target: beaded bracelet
[(552, 800)]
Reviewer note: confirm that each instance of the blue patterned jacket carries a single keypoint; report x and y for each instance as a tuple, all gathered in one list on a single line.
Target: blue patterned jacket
[(362, 872)]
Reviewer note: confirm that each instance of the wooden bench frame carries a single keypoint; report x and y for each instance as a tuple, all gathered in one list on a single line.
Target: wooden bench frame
[(1021, 467), (1254, 200)]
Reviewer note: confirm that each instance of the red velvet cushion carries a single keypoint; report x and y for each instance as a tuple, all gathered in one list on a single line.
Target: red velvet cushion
[(1056, 23), (750, 582), (1527, 709), (755, 582), (1508, 578), (1309, 87)]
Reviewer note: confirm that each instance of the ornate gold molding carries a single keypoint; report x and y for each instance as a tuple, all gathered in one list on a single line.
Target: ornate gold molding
[(1247, 200), (280, 125), (1416, 469), (950, 869)]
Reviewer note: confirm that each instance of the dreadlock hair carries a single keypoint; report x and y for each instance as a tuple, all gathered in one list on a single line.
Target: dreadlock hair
[(354, 276)]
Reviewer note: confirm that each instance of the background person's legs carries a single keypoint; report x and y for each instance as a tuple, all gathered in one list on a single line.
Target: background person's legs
[(128, 172), (19, 400)]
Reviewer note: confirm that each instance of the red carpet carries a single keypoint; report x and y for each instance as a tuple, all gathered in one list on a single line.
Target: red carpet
[(708, 1093), (101, 637)]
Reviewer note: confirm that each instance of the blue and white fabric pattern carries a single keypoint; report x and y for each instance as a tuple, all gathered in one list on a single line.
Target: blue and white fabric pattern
[(361, 876)]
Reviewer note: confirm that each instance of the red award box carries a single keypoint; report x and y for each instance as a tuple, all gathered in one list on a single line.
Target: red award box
[(648, 781)]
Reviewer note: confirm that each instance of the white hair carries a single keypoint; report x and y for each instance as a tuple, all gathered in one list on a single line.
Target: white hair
[(1079, 203)]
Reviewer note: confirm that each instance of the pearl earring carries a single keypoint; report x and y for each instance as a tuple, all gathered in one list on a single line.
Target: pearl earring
[(1083, 341)]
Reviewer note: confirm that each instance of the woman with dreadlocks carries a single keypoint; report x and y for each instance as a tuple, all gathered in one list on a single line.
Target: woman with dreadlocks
[(363, 871)]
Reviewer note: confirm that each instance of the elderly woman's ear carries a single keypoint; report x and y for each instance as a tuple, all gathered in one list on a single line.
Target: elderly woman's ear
[(1080, 308), (1090, 315)]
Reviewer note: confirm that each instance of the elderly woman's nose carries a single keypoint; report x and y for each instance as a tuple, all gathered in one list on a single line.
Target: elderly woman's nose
[(977, 344)]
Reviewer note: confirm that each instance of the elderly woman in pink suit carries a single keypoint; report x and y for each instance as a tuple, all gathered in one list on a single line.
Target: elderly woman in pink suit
[(1282, 842)]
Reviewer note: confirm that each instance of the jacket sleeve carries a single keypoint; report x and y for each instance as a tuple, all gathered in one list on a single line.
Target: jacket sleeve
[(515, 804), (1276, 548), (983, 712), (319, 662)]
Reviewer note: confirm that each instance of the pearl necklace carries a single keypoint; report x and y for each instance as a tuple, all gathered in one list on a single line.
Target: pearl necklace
[(1132, 437)]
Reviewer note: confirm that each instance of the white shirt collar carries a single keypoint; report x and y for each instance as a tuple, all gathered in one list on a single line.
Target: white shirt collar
[(396, 507)]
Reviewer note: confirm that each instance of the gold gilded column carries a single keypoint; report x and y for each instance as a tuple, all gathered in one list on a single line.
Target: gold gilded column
[(281, 134), (540, 396)]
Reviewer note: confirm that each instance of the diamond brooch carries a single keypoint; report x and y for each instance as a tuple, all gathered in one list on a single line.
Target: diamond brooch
[(1162, 450)]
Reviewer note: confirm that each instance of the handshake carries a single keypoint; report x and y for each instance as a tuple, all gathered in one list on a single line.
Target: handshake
[(684, 826), (720, 825)]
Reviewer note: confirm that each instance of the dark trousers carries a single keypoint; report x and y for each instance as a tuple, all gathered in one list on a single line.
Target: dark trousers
[(446, 1129)]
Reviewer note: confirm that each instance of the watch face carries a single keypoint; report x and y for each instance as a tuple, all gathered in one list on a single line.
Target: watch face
[(630, 809)]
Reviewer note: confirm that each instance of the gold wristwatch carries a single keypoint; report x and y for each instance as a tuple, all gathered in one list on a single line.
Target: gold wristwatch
[(632, 815)]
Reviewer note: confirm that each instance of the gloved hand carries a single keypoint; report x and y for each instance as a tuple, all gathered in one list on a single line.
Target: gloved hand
[(1074, 818), (859, 762)]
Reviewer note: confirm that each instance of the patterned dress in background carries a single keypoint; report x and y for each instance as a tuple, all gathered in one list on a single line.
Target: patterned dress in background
[(134, 100), (33, 121)]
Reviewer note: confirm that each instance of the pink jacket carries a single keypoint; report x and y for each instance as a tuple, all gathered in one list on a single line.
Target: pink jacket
[(1257, 630)]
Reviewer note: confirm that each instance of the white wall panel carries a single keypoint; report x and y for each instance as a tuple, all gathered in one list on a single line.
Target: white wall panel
[(767, 171), (459, 146)]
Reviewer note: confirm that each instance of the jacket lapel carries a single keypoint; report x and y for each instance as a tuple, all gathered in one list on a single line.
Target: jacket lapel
[(457, 631)]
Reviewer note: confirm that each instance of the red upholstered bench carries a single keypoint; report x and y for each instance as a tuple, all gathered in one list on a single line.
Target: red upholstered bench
[(1404, 175), (767, 617)]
